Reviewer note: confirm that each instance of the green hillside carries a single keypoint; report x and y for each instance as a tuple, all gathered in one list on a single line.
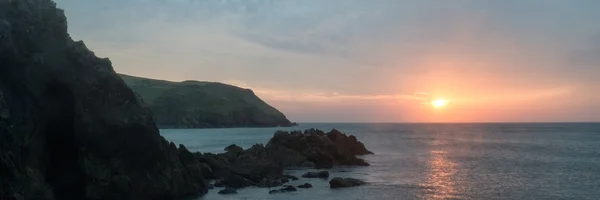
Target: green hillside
[(196, 104)]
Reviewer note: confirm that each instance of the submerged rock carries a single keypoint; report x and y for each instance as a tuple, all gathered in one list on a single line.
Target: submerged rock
[(305, 185), (338, 182), (287, 188), (321, 174), (228, 191)]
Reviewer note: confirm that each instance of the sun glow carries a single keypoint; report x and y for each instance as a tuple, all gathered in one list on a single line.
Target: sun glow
[(439, 103)]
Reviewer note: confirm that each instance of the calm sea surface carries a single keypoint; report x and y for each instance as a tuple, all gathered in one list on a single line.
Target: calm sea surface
[(440, 161)]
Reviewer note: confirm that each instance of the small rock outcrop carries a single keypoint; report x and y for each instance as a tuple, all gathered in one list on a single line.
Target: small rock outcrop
[(228, 191), (338, 182), (321, 174), (287, 188), (325, 150), (305, 185)]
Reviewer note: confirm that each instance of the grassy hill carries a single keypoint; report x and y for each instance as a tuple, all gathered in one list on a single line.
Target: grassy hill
[(197, 104)]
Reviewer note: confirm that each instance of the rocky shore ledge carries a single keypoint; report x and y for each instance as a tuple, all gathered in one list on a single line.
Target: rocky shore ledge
[(263, 165)]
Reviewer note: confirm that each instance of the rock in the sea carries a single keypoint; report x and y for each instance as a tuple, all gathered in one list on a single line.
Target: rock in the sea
[(321, 174), (325, 150), (228, 191), (287, 188), (70, 128), (293, 178), (305, 185), (338, 182), (262, 166)]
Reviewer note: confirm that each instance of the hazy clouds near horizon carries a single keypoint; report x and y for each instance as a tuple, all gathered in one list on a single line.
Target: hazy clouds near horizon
[(355, 60)]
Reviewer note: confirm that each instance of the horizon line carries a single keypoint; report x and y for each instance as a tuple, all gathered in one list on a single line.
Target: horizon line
[(507, 122)]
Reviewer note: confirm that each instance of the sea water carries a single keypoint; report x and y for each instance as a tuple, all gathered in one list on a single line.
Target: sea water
[(439, 161)]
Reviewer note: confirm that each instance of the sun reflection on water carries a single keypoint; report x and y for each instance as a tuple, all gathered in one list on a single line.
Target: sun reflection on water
[(440, 177)]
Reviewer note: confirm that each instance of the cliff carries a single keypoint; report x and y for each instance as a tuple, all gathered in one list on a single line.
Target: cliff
[(70, 128), (195, 104)]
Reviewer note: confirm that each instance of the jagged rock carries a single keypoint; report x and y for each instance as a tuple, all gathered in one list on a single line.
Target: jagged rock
[(348, 143), (262, 166), (321, 174), (228, 191), (75, 130), (325, 150), (234, 149), (305, 185), (338, 182)]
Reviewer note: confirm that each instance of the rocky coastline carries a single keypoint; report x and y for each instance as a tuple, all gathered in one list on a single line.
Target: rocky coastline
[(262, 165), (71, 129)]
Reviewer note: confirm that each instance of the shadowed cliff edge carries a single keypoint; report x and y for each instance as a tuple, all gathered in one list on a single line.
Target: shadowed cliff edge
[(70, 128)]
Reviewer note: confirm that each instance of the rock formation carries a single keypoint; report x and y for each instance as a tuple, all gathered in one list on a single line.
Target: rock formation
[(262, 166), (338, 182)]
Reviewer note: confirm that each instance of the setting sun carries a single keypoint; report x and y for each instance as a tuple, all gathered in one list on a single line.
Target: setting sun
[(439, 103)]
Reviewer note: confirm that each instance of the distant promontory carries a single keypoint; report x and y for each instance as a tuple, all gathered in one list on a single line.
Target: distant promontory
[(197, 104)]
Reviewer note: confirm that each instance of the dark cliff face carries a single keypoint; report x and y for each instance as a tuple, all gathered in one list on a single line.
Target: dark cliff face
[(196, 104), (69, 126)]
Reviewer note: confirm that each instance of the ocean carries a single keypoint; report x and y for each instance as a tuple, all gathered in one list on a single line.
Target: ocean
[(439, 161)]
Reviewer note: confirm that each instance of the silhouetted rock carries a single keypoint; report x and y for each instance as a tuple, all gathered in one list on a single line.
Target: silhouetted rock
[(234, 148), (262, 166), (338, 182), (69, 126), (287, 188), (305, 185), (325, 150), (228, 191), (321, 174)]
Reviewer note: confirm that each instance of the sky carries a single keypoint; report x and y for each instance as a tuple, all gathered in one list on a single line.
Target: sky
[(365, 61)]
